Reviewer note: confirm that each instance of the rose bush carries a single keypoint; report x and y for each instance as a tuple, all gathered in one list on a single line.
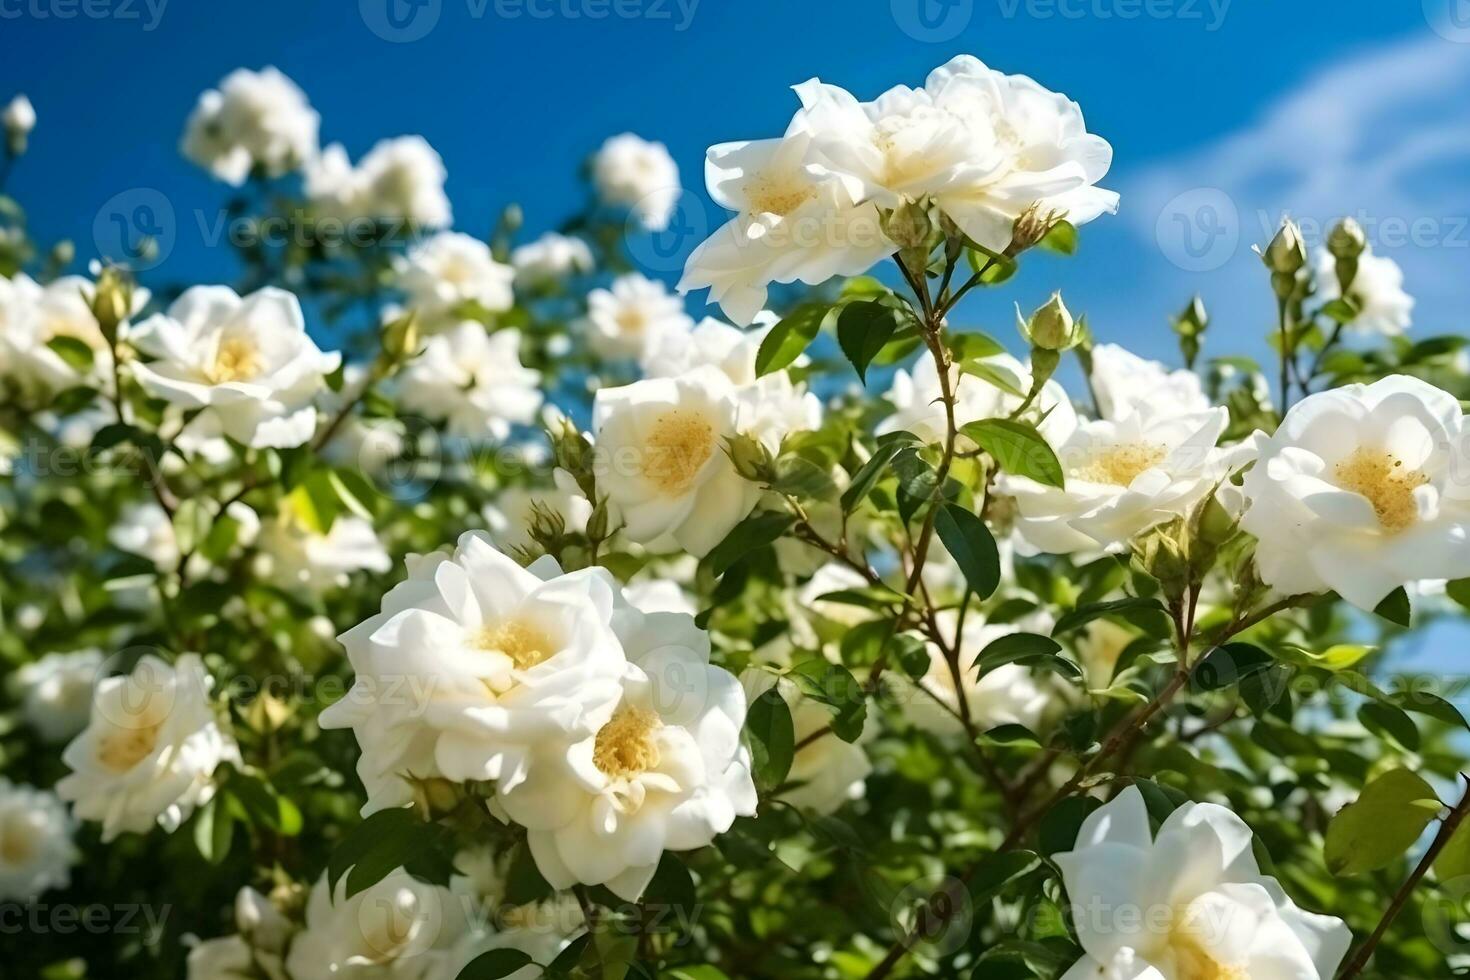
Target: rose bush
[(426, 606)]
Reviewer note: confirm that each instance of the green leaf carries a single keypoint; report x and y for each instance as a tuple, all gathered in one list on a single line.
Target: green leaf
[(863, 328), (972, 547), (998, 870), (917, 482), (1454, 861), (363, 837), (870, 472), (1382, 824), (1027, 649), (1061, 824), (1389, 721), (1018, 449), (995, 375), (972, 345), (1395, 607), (1083, 615), (1343, 310), (702, 972), (74, 351), (834, 687), (756, 531), (1229, 664), (1459, 591), (495, 964), (800, 477), (214, 829), (772, 739), (790, 337), (1061, 239)]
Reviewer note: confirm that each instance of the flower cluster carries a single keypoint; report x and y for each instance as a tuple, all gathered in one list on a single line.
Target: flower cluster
[(605, 730)]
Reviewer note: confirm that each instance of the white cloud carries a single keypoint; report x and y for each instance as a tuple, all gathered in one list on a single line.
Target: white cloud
[(1381, 135)]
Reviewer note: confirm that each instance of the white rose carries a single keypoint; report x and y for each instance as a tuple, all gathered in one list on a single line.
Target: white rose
[(549, 258), (984, 146), (399, 180), (795, 221), (1361, 490), (1377, 288), (447, 271), (541, 930), (1123, 478), (1124, 383), (257, 948), (399, 929), (254, 120), (472, 380), (666, 771), (32, 316), (634, 173), (295, 556), (660, 445), (660, 595), (36, 851), (633, 316), (1189, 902), (247, 361), (150, 749), (472, 662), (56, 692)]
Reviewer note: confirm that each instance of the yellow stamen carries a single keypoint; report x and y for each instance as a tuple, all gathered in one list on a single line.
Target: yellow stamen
[(625, 745), (1387, 484), (1121, 465), (237, 359), (524, 644), (780, 197), (679, 445), (124, 749)]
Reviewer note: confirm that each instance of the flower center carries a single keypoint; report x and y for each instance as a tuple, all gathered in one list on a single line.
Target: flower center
[(123, 749), (1120, 465), (1387, 484), (625, 746), (1193, 960), (17, 843), (525, 645), (631, 321), (237, 359), (679, 445), (773, 195)]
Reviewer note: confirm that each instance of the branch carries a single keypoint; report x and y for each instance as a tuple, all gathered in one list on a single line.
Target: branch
[(1447, 830)]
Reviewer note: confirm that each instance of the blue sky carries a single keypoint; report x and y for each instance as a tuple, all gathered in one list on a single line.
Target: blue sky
[(1223, 114)]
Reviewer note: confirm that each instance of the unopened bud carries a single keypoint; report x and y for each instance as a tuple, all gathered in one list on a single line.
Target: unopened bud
[(1161, 553), (1051, 327), (19, 118), (112, 301), (1346, 240), (267, 713), (752, 460), (1030, 227), (434, 796), (62, 254), (401, 338), (907, 225), (1193, 320), (1287, 253)]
